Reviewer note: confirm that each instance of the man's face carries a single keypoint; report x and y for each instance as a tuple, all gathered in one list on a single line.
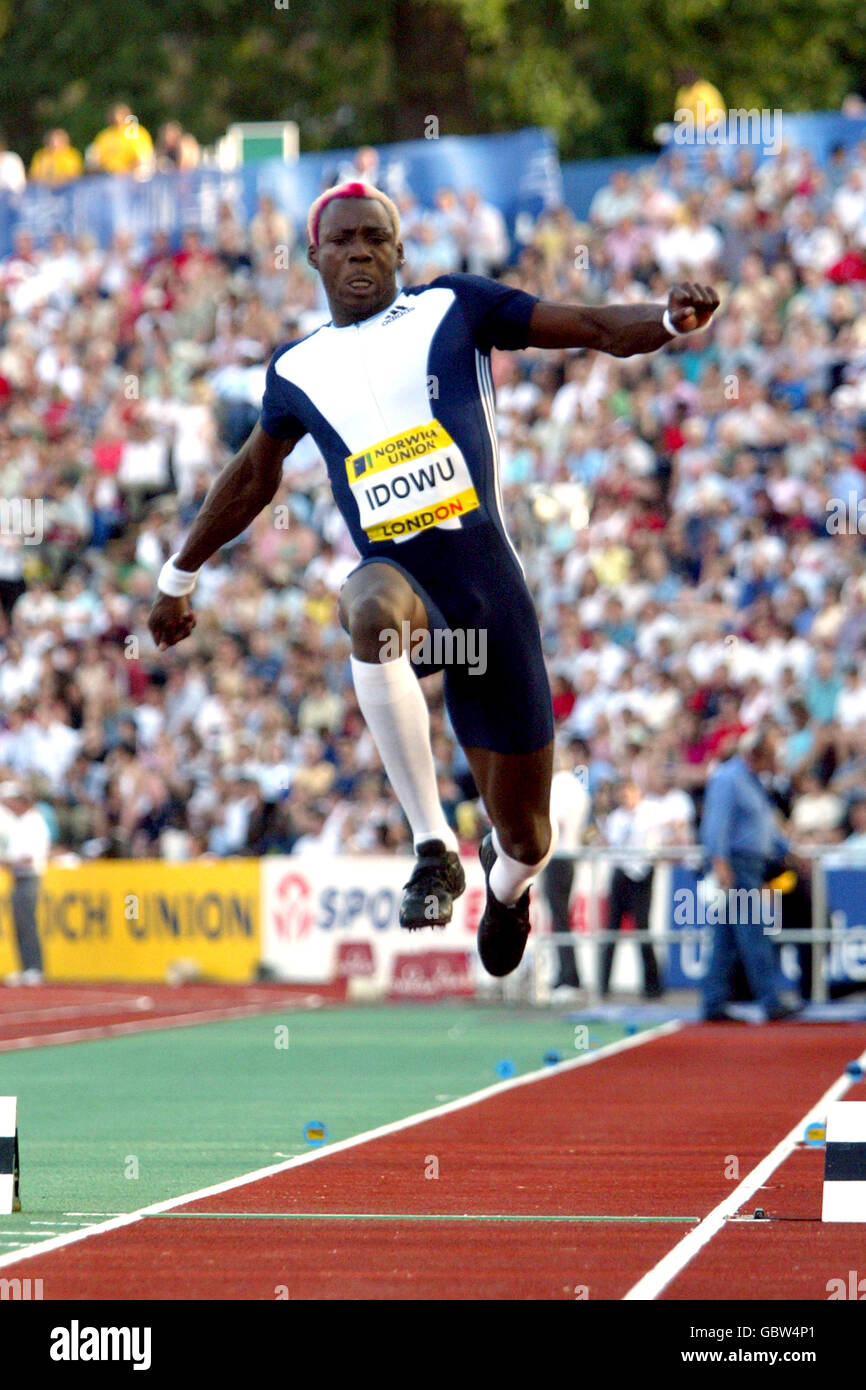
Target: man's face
[(631, 796), (357, 258), (763, 758)]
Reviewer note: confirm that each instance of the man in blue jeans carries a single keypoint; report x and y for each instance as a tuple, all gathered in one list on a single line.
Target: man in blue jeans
[(739, 833)]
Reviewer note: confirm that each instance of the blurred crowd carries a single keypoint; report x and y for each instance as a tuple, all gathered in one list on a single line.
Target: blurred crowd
[(691, 523), (123, 146)]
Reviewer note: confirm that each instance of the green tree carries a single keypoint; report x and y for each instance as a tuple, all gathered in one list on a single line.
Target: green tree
[(355, 71)]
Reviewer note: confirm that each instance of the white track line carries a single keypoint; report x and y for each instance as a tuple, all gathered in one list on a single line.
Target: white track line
[(146, 1025), (8, 1016), (394, 1127), (118, 1002), (656, 1280)]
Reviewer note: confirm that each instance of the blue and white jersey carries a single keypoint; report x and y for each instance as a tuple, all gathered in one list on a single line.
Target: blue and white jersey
[(401, 406)]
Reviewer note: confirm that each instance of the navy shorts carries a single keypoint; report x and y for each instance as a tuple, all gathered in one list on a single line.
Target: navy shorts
[(484, 636)]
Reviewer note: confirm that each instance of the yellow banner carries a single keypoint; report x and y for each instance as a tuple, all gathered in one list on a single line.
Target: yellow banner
[(133, 919), (399, 448), (8, 953), (425, 517)]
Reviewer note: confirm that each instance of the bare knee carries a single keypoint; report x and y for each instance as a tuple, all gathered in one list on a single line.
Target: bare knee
[(527, 838), (371, 619)]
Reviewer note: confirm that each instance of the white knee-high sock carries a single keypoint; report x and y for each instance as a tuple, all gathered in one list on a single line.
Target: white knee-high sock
[(394, 707), (509, 879)]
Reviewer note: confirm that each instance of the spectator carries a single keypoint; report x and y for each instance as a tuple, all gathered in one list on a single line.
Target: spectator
[(363, 166), (24, 848), (272, 239), (633, 826), (176, 148), (57, 161), (689, 248), (856, 842), (817, 813), (570, 811), (484, 238), (123, 147), (739, 834), (13, 176), (615, 202), (822, 689), (231, 241), (696, 95)]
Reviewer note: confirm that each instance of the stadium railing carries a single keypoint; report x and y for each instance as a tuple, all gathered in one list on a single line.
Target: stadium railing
[(825, 935)]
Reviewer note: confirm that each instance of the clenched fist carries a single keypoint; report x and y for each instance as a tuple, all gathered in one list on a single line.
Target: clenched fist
[(692, 306), (171, 619)]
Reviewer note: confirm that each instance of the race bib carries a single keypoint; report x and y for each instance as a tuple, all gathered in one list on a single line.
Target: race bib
[(411, 482)]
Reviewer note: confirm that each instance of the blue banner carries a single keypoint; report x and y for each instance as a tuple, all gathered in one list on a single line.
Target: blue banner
[(517, 173), (846, 911), (689, 960), (582, 178), (763, 133)]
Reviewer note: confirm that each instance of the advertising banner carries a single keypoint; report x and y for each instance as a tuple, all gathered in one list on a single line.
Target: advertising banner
[(134, 919), (319, 911), (517, 172), (846, 912), (328, 916), (690, 913)]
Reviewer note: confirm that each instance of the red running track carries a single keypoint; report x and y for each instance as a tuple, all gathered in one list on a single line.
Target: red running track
[(805, 1255), (650, 1131), (46, 1014)]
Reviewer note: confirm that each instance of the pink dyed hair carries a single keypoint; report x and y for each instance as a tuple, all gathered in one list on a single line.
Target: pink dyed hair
[(354, 188)]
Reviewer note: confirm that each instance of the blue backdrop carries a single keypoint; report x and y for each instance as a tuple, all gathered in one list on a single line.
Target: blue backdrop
[(846, 906), (518, 173), (819, 132)]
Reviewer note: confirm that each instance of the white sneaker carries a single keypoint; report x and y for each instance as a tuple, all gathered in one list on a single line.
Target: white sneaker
[(16, 978), (32, 977)]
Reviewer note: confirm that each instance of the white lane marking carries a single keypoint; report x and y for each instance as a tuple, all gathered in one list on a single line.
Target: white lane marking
[(656, 1280), (55, 1223), (394, 1127), (117, 1003), (146, 1025)]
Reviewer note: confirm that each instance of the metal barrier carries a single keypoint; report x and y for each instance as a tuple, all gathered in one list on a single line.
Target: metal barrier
[(820, 935)]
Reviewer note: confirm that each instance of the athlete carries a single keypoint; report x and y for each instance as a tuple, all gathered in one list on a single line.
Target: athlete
[(397, 394)]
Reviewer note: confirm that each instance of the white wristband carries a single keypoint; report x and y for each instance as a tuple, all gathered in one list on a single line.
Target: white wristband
[(667, 325), (174, 582)]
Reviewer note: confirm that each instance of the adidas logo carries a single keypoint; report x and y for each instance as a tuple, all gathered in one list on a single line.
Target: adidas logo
[(393, 314)]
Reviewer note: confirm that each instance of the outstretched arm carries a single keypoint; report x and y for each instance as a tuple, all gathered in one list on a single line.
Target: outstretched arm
[(243, 488), (621, 329)]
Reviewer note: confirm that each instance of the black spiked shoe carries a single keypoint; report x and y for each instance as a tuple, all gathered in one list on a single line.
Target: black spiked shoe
[(503, 930), (437, 879)]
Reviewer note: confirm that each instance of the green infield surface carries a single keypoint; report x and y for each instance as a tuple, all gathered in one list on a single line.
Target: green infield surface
[(109, 1126)]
